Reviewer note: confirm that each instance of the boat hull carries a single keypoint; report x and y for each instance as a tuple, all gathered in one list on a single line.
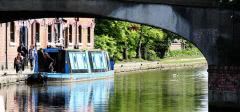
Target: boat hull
[(73, 77)]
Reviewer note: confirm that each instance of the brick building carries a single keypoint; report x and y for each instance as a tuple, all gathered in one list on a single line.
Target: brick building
[(177, 44), (69, 33)]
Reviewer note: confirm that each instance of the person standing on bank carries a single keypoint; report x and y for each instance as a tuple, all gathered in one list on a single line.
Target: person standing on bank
[(18, 62), (31, 56), (22, 49)]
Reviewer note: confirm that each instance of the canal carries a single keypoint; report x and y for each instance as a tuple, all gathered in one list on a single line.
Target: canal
[(183, 90)]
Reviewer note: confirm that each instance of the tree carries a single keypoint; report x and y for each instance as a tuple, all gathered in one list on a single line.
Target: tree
[(132, 40), (106, 43), (150, 38), (120, 33)]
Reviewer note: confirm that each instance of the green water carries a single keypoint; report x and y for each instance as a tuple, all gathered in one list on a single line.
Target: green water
[(161, 91), (151, 91)]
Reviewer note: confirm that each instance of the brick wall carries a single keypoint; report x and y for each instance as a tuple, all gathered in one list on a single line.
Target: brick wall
[(223, 85), (30, 24)]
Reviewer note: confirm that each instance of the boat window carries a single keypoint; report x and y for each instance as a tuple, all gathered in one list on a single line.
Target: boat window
[(78, 61), (98, 61)]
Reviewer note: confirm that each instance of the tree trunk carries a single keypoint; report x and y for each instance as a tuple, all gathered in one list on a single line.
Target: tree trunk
[(138, 50), (144, 50), (145, 53), (125, 54)]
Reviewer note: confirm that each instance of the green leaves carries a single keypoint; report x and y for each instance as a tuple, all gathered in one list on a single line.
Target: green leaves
[(125, 40), (106, 43)]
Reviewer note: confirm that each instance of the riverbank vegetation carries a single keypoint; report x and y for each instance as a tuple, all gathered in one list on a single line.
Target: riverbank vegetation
[(130, 41), (184, 52)]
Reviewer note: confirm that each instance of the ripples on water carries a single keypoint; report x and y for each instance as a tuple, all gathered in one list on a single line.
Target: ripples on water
[(154, 91)]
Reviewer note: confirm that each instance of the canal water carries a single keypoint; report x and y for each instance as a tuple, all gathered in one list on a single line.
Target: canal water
[(182, 90)]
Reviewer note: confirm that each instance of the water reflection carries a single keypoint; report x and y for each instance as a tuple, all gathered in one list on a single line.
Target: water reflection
[(155, 91), (81, 97)]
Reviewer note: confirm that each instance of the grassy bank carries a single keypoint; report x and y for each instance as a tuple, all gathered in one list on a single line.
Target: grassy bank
[(188, 58), (183, 59), (184, 53), (169, 60), (176, 56), (163, 64)]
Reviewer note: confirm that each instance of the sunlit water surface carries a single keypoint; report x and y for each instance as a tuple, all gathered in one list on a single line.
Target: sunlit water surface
[(182, 90)]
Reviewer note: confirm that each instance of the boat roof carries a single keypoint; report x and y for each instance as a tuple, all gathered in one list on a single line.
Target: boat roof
[(52, 49), (59, 49)]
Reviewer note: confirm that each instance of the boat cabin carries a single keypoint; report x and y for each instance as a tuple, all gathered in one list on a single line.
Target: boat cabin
[(58, 60)]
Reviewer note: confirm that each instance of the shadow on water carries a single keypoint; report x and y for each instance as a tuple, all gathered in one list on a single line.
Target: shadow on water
[(152, 91)]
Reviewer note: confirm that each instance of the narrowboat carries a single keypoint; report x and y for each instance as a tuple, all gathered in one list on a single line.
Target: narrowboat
[(71, 65)]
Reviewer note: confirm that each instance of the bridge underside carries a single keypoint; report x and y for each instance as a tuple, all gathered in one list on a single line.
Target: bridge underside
[(7, 16), (215, 31), (193, 3)]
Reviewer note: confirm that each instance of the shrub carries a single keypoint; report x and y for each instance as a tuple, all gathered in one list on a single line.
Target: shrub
[(185, 52)]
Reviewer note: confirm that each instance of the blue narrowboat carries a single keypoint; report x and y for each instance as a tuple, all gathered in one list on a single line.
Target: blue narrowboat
[(71, 65)]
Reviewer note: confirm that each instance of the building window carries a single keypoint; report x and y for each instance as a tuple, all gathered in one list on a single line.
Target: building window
[(80, 34), (49, 33), (12, 32), (58, 32), (66, 37), (70, 33), (37, 33), (32, 34), (89, 35)]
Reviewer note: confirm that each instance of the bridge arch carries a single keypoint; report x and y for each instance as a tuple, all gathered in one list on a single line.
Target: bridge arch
[(176, 19)]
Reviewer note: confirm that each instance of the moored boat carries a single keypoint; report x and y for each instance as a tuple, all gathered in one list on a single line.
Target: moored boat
[(67, 65)]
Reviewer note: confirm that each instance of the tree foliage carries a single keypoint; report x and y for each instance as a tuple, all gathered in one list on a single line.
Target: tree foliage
[(124, 40), (106, 43)]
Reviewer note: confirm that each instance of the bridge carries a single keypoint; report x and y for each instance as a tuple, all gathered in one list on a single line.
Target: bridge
[(212, 25)]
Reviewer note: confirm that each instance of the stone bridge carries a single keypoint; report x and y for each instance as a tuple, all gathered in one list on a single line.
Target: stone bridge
[(212, 25)]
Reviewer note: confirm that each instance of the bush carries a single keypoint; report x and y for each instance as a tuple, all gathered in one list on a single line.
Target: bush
[(185, 52), (152, 55)]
